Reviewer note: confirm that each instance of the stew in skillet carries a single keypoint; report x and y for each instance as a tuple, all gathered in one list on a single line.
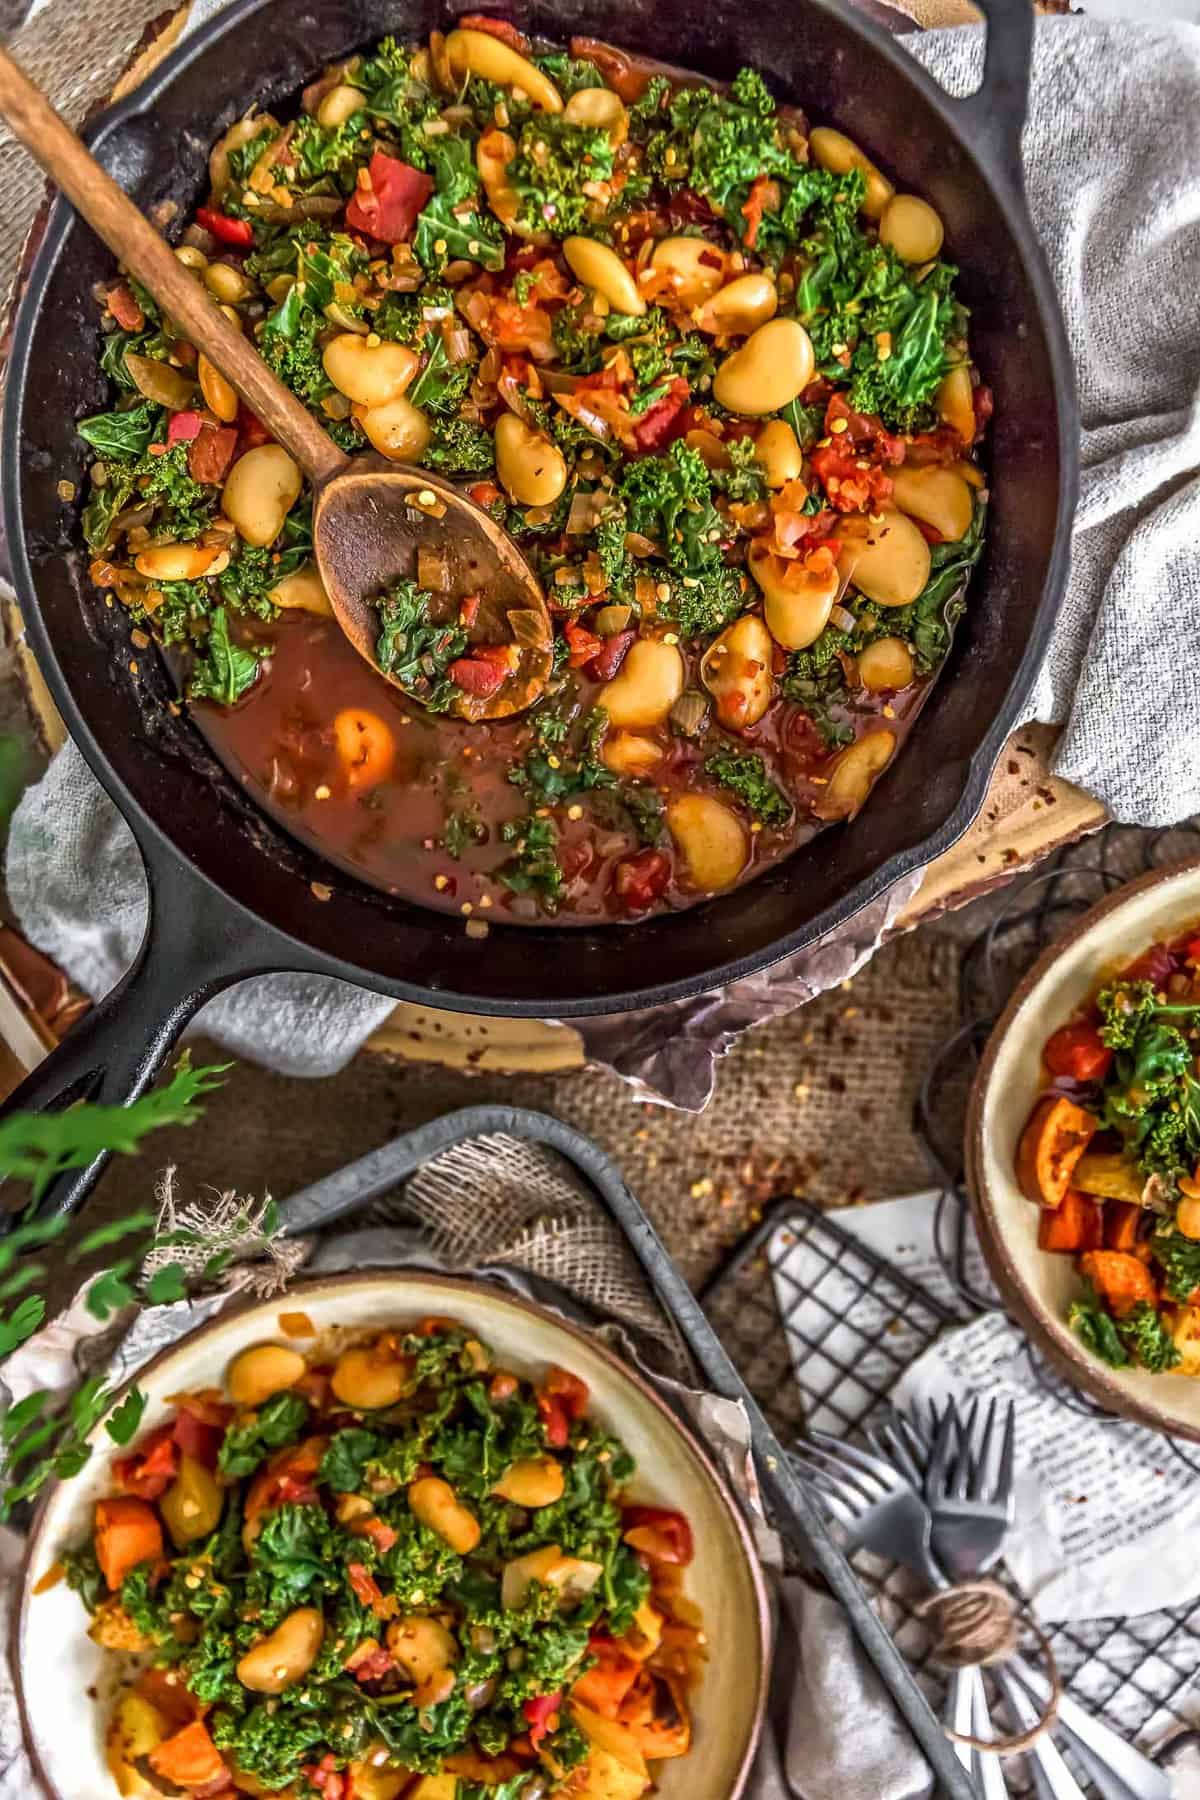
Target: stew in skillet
[(701, 360)]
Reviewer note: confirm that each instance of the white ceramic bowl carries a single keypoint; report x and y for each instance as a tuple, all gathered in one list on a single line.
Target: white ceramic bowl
[(58, 1666), (1039, 1286)]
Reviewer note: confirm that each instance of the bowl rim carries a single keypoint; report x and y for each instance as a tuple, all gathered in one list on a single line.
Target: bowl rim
[(393, 1280), (1083, 1371)]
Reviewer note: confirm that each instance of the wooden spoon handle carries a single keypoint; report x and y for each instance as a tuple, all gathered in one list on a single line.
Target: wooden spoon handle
[(115, 219)]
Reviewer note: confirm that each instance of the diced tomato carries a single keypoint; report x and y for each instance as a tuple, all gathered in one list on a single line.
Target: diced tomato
[(483, 672), (365, 1586), (237, 232), (379, 1533), (387, 206), (196, 1439), (561, 1398), (583, 645), (251, 430), (370, 1665), (603, 1687), (639, 880), (124, 308), (287, 1477), (1079, 1052), (183, 427), (468, 610), (660, 1535), (211, 452), (484, 493), (500, 28), (152, 1467), (542, 1713), (328, 1781), (983, 403), (929, 532), (660, 424), (752, 211), (615, 649), (864, 432), (847, 487)]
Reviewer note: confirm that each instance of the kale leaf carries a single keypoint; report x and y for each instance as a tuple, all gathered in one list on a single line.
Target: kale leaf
[(1097, 1331), (554, 159), (1143, 1332), (415, 650), (223, 671), (459, 447), (534, 867), (344, 1463), (279, 1421), (125, 434), (1179, 1258), (745, 775)]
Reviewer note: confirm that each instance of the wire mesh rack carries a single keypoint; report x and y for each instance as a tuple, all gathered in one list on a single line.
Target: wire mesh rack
[(1138, 1673)]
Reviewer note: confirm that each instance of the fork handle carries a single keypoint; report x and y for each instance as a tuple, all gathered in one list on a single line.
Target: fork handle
[(1054, 1780), (960, 1713), (1117, 1769)]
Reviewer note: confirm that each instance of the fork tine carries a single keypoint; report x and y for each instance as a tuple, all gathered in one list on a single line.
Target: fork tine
[(836, 1508), (1002, 1488), (945, 1431), (896, 1447), (985, 1454), (831, 1487), (965, 1466), (879, 1467), (912, 1436), (862, 1482)]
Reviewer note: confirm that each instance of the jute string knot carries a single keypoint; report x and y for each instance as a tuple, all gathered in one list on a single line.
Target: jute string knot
[(978, 1624)]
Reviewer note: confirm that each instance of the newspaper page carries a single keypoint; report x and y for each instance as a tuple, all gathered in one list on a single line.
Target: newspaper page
[(1105, 1511)]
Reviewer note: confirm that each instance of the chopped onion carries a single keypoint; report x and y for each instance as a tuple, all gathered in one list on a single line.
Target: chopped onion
[(645, 592), (637, 545), (432, 570), (586, 512), (527, 626), (457, 340), (689, 713), (843, 620), (612, 619)]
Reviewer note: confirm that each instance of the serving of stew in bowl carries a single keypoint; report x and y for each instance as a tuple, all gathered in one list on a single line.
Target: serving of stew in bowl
[(692, 350), (1084, 1150), (367, 1552)]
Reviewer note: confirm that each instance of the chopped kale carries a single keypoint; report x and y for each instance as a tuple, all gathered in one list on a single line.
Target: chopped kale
[(745, 775), (223, 671), (416, 650), (533, 867), (279, 1421)]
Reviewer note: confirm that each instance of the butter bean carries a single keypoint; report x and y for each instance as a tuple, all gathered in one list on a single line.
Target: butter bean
[(399, 430), (479, 53), (340, 103), (649, 682), (262, 1370), (854, 774), (912, 228), (368, 1377), (536, 1481), (888, 561), (741, 306), (599, 267), (302, 591), (711, 839), (260, 490), (696, 267), (219, 396), (769, 370), (938, 497), (736, 670), (796, 602), (369, 374), (777, 453), (600, 109), (531, 467), (833, 150), (625, 753), (885, 666), (226, 283), (435, 1503), (956, 402), (181, 562), (287, 1653)]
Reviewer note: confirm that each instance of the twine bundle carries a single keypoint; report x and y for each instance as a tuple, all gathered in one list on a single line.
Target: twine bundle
[(978, 1624)]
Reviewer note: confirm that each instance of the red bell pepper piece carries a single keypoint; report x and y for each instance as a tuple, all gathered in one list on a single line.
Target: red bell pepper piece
[(582, 644), (498, 28), (198, 1438), (387, 206), (561, 1398), (1079, 1052), (153, 1466), (542, 1714), (124, 308), (211, 452), (661, 423), (660, 1535), (641, 879), (251, 430), (752, 211), (183, 427), (239, 233), (483, 672), (366, 1588)]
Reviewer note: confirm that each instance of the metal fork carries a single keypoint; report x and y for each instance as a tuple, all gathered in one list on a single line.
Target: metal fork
[(871, 1496)]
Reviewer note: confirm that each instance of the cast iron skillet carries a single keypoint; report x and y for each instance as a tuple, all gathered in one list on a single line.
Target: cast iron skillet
[(231, 895)]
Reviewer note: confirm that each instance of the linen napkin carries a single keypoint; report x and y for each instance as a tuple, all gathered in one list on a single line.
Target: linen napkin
[(1110, 159), (520, 1214)]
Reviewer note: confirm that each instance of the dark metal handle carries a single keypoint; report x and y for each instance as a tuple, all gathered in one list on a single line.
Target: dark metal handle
[(190, 952), (993, 116)]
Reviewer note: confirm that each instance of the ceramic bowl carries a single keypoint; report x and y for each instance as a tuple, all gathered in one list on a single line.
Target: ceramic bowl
[(65, 1682), (1039, 1286)]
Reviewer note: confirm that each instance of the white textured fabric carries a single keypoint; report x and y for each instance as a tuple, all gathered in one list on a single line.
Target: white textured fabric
[(1111, 153), (1111, 150)]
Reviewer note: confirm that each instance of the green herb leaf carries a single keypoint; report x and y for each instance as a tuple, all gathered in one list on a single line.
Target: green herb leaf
[(122, 1423)]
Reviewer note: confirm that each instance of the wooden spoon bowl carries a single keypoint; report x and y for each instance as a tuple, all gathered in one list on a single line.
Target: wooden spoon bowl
[(370, 525)]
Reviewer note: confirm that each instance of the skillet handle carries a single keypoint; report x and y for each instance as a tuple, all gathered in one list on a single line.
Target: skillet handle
[(994, 115), (192, 950)]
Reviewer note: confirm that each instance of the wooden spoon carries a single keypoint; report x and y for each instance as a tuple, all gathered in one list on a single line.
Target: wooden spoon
[(370, 516)]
